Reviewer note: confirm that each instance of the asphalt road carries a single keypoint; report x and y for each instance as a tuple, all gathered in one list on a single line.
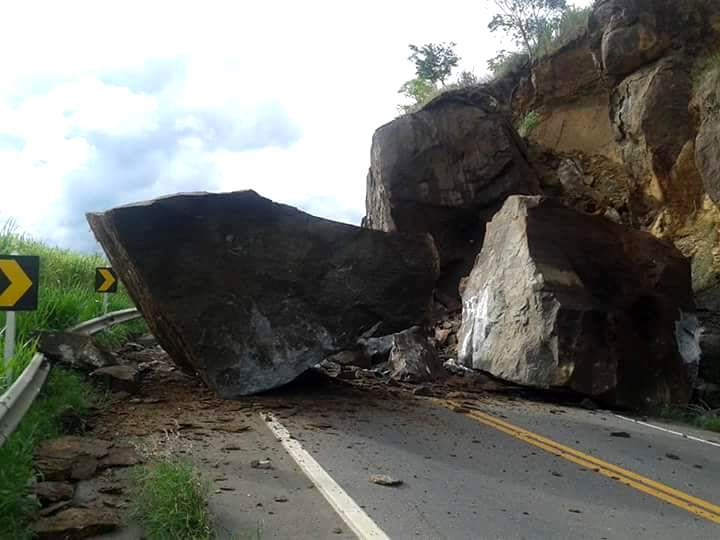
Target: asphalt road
[(467, 477)]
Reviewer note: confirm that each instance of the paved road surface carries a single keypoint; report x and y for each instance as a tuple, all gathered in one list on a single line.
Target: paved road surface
[(467, 478)]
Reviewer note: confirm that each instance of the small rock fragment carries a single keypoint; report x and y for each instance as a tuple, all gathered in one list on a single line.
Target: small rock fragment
[(53, 508), (231, 447), (261, 464), (385, 480), (280, 499), (119, 378), (672, 456), (589, 404), (621, 434), (52, 492), (77, 523), (423, 390), (121, 456)]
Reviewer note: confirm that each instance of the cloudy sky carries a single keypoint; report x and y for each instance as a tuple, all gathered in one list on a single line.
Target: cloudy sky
[(105, 103)]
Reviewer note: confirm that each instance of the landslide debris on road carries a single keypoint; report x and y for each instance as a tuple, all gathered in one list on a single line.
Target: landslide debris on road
[(559, 299), (250, 294)]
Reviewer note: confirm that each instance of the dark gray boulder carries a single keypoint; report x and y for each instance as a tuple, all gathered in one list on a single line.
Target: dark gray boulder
[(560, 299), (249, 293), (445, 170)]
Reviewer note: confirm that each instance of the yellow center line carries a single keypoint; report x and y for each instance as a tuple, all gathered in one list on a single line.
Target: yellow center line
[(661, 491)]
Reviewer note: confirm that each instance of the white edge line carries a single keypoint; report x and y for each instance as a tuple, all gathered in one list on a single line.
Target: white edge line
[(354, 516), (683, 435)]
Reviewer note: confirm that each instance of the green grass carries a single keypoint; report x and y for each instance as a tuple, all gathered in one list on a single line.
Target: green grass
[(693, 415), (528, 123), (66, 294), (65, 393), (66, 297), (170, 501)]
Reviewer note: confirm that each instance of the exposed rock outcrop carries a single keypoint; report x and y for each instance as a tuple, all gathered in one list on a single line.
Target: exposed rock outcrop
[(562, 299), (707, 144), (445, 170), (644, 119), (643, 106), (249, 293)]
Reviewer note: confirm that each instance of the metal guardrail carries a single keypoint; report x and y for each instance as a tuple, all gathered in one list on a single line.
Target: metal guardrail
[(16, 401), (93, 326)]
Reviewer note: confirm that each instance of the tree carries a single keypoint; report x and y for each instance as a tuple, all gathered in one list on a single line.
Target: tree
[(531, 23), (418, 90), (466, 78), (434, 61)]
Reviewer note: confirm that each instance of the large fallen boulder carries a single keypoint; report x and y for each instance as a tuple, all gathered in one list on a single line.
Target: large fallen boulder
[(560, 299), (249, 293), (445, 170)]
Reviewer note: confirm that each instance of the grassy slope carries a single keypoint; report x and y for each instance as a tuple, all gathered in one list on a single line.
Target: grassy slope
[(66, 297)]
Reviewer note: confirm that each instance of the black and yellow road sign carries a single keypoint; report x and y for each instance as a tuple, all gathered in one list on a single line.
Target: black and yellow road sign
[(19, 276), (106, 280)]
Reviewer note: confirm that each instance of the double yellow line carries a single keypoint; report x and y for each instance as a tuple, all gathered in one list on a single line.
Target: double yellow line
[(697, 506)]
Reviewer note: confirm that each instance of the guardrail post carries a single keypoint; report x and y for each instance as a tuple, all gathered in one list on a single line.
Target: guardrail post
[(9, 346), (9, 349)]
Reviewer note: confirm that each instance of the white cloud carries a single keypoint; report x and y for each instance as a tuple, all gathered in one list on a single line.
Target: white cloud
[(105, 103)]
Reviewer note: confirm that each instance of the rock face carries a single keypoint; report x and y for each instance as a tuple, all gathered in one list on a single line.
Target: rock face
[(707, 143), (561, 299), (642, 108), (636, 102), (445, 170), (250, 294)]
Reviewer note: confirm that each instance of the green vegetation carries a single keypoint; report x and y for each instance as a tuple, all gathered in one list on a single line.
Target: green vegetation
[(530, 122), (538, 27), (506, 62), (66, 298), (694, 415), (65, 394), (170, 501), (434, 63)]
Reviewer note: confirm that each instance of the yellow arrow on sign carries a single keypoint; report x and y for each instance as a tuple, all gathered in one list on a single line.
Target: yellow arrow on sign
[(109, 280), (19, 283)]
